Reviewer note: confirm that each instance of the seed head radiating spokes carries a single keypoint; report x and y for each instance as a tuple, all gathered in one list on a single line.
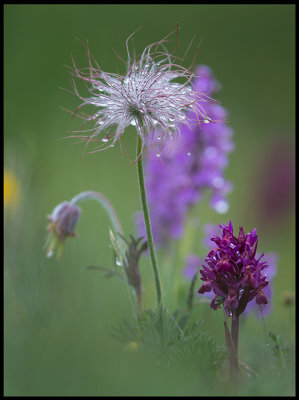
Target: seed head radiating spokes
[(147, 96)]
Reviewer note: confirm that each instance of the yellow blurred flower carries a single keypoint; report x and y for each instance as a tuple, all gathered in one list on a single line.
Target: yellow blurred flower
[(132, 346), (11, 189)]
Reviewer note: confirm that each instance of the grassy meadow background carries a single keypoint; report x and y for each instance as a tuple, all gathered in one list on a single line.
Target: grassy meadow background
[(57, 315)]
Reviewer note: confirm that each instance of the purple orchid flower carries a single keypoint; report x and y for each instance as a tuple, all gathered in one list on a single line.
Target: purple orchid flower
[(234, 273)]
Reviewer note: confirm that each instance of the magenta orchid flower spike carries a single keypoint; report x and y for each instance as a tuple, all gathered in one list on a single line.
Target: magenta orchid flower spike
[(235, 275), (233, 272)]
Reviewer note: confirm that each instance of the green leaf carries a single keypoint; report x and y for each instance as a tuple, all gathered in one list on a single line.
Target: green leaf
[(279, 351)]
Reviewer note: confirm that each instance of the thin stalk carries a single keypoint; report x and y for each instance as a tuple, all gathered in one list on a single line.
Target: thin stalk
[(190, 298), (105, 203), (147, 222)]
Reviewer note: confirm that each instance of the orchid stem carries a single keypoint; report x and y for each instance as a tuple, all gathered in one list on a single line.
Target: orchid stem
[(235, 333), (232, 343)]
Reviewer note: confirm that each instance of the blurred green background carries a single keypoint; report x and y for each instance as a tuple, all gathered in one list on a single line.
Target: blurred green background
[(57, 315)]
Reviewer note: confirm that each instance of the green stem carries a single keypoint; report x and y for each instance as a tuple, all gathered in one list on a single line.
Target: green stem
[(235, 332), (191, 293), (233, 360), (147, 222), (105, 203), (234, 337)]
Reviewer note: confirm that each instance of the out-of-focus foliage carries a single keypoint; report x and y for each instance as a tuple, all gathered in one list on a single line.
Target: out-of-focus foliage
[(57, 313)]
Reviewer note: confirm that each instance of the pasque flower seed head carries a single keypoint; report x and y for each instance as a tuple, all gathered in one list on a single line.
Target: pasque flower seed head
[(147, 96)]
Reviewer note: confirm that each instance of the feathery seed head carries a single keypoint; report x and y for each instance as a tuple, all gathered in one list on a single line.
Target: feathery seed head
[(147, 96)]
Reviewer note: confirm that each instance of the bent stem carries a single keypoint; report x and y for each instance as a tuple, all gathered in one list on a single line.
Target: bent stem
[(116, 241), (104, 202), (148, 228)]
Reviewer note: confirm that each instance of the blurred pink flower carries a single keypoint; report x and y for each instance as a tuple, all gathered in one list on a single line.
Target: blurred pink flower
[(274, 182)]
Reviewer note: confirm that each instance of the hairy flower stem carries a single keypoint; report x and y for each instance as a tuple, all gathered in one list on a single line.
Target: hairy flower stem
[(150, 240), (105, 203)]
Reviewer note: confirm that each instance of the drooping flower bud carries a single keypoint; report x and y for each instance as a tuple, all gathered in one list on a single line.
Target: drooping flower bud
[(63, 221)]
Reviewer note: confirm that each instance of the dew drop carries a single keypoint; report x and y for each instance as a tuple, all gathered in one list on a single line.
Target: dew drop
[(105, 140), (118, 262), (50, 253), (159, 138), (158, 155), (188, 154), (206, 120)]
